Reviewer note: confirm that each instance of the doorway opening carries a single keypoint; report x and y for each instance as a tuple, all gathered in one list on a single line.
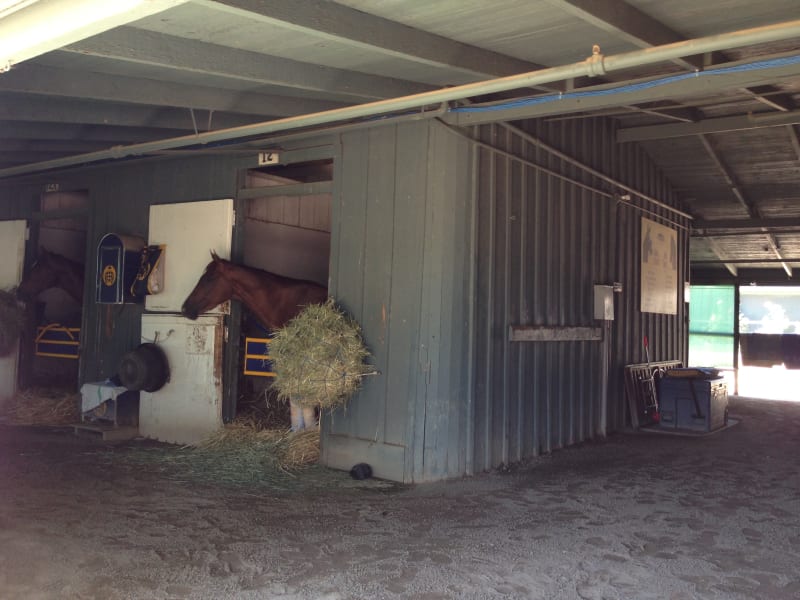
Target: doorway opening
[(752, 334), (50, 349), (287, 231)]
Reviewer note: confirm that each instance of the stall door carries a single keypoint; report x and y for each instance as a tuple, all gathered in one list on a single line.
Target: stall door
[(189, 407), (12, 249), (190, 231)]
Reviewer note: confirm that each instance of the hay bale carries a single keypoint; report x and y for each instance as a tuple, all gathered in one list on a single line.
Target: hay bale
[(319, 357), (12, 320), (44, 406)]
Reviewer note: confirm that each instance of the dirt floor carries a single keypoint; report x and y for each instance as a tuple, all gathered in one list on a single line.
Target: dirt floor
[(639, 516)]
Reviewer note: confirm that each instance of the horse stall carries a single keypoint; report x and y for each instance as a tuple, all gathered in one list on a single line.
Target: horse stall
[(53, 286), (287, 227)]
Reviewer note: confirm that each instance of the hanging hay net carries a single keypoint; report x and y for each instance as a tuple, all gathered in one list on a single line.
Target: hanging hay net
[(11, 322), (44, 406), (319, 357)]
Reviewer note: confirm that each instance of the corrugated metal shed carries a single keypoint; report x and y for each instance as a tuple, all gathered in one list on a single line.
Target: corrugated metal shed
[(445, 240)]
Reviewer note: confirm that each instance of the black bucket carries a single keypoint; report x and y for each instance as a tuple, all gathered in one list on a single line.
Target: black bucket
[(144, 368)]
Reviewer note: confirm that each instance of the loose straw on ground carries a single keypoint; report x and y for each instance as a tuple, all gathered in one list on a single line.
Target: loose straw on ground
[(287, 450), (42, 406)]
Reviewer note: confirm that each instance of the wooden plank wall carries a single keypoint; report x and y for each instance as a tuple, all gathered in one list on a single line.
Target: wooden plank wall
[(400, 265)]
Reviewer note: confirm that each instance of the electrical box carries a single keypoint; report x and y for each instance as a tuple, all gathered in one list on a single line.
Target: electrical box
[(118, 259), (604, 302)]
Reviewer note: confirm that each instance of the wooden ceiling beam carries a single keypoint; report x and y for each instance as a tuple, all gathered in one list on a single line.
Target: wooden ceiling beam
[(721, 124), (345, 25), (23, 107), (157, 50), (58, 82), (736, 190), (109, 134), (718, 252), (629, 23), (565, 104), (743, 225)]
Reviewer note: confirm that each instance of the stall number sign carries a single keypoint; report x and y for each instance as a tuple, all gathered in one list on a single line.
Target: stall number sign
[(268, 158)]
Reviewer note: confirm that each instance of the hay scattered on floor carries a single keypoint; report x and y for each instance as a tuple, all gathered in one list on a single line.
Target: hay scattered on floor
[(301, 449), (284, 449), (319, 357), (12, 320), (241, 432), (44, 406)]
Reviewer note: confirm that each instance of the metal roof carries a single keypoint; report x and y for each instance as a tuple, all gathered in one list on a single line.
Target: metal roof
[(726, 139)]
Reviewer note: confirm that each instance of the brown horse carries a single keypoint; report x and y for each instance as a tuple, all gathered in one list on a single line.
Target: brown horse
[(273, 299), (52, 270)]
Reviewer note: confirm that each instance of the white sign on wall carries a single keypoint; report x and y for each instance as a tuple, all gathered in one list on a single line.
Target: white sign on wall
[(659, 268)]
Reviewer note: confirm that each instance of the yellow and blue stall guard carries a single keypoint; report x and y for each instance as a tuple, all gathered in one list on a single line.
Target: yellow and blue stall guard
[(257, 360), (57, 341)]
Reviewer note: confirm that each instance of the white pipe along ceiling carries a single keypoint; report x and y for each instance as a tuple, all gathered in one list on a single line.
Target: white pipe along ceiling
[(595, 65)]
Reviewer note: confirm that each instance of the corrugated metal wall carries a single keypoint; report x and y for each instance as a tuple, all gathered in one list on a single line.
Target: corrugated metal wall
[(543, 242)]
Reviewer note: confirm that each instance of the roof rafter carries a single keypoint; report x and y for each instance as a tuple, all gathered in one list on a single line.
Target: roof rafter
[(793, 137), (128, 44), (373, 33), (628, 22), (718, 252), (721, 124), (701, 227), (736, 189), (621, 18), (563, 104), (38, 79), (21, 107), (109, 134)]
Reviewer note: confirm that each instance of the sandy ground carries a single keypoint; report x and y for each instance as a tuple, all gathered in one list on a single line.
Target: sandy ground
[(639, 516)]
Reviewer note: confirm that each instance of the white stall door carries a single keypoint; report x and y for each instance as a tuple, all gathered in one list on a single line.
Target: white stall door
[(190, 231), (189, 407), (12, 249)]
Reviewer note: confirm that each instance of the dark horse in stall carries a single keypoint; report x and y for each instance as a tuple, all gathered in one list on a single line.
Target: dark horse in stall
[(273, 299), (52, 270)]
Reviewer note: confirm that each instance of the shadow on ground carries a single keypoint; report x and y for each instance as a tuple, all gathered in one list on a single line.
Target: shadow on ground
[(638, 516)]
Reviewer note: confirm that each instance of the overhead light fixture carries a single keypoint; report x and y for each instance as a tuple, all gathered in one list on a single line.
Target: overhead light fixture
[(29, 28)]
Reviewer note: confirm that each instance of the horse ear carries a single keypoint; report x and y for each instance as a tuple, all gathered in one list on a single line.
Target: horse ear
[(214, 256)]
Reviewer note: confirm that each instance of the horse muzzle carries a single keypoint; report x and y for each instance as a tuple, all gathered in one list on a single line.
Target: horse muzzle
[(189, 313)]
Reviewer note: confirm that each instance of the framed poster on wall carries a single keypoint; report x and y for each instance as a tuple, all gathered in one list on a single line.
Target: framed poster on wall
[(659, 268)]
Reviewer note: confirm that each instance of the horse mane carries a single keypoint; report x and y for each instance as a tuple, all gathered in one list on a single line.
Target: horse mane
[(256, 271)]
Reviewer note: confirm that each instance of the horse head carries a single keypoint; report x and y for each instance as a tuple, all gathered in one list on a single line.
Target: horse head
[(212, 289), (42, 276)]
